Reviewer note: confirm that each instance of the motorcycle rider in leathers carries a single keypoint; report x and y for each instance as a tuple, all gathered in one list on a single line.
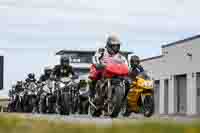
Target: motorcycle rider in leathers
[(101, 58), (46, 75), (30, 78), (17, 89), (64, 69), (43, 78), (135, 69)]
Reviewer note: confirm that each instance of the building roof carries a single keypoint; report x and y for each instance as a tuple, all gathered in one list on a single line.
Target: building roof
[(64, 51), (181, 41), (81, 65), (151, 58), (172, 44)]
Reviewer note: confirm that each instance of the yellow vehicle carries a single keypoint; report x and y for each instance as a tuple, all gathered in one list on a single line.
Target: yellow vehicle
[(140, 96)]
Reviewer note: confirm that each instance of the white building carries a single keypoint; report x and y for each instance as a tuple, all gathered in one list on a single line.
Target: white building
[(177, 77)]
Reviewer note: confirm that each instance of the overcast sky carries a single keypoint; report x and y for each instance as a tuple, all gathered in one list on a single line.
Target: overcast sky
[(142, 25)]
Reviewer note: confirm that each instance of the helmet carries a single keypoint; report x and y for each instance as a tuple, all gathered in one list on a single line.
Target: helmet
[(19, 83), (134, 61), (31, 76), (113, 44), (83, 83), (64, 60), (47, 70)]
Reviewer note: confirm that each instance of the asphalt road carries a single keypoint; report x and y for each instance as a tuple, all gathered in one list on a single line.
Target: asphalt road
[(103, 120)]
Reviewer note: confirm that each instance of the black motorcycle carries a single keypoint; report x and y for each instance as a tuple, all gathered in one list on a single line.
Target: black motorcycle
[(74, 98), (83, 97), (64, 95), (47, 99), (30, 97)]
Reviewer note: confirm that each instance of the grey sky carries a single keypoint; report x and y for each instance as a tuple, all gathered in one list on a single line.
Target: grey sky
[(143, 25)]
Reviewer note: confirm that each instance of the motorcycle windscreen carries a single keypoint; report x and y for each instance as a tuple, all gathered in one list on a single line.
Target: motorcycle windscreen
[(116, 70)]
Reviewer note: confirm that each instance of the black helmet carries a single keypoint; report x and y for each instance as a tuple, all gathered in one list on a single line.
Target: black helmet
[(31, 76), (19, 83), (47, 70), (64, 60), (113, 44), (134, 61), (83, 83)]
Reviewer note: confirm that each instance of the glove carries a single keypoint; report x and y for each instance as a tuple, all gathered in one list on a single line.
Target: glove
[(100, 66)]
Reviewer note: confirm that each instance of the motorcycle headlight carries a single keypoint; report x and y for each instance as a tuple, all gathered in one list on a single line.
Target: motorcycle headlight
[(148, 84), (61, 85), (151, 84), (29, 92), (83, 88), (66, 79)]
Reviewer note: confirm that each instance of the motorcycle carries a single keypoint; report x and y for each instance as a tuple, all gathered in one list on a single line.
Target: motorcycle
[(74, 97), (83, 97), (140, 96), (64, 95), (110, 90), (30, 95), (16, 99), (47, 97), (11, 104)]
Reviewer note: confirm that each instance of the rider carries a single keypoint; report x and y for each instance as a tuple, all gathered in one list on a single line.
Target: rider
[(64, 69), (102, 57), (46, 75), (31, 78), (19, 86), (43, 78), (136, 67)]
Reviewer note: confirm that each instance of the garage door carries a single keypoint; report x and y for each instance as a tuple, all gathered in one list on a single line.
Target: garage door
[(156, 95), (181, 94), (198, 93), (166, 87)]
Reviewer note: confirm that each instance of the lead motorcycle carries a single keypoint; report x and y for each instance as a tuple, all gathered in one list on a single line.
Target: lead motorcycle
[(110, 90)]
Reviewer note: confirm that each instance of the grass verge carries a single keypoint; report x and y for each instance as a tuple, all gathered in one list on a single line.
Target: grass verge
[(15, 124)]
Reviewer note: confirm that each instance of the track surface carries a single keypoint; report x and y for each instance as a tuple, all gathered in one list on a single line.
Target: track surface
[(102, 120)]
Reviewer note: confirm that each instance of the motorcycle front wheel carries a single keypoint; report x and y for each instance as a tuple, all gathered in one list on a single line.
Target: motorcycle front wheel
[(18, 106), (148, 106), (42, 105), (114, 107), (64, 108), (92, 108)]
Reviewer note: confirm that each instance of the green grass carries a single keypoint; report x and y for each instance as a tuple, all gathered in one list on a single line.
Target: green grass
[(14, 124)]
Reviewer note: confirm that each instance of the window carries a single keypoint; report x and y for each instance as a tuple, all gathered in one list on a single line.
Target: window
[(86, 59)]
